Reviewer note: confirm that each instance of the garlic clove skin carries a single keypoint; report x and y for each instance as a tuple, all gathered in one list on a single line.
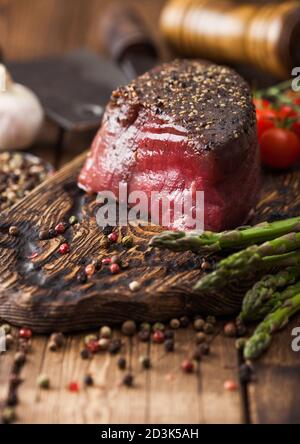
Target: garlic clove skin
[(21, 116)]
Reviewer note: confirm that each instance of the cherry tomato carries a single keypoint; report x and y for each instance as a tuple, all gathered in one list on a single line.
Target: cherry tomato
[(261, 103), (263, 125), (279, 147), (296, 128), (286, 112)]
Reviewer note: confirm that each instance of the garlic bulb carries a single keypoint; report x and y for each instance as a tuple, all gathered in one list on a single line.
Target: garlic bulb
[(21, 114)]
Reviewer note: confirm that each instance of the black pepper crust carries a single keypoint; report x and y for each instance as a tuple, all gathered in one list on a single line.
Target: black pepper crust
[(211, 101)]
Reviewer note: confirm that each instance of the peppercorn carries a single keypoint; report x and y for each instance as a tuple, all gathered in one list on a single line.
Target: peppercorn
[(113, 237), (158, 326), (73, 386), (169, 334), (44, 235), (129, 328), (200, 337), (145, 362), (93, 346), (175, 324), (103, 343), (88, 381), (115, 259), (230, 329), (60, 228), (43, 382), (144, 335), (97, 264), (187, 366), (14, 231), (158, 337), (58, 338), (25, 333), (64, 248), (89, 338), (205, 266), (184, 321), (6, 328), (199, 324), (8, 415), (82, 277), (122, 363), (169, 345), (52, 346), (90, 270), (9, 340), (51, 233), (114, 268), (106, 261), (114, 346), (127, 241), (145, 326), (211, 320), (128, 380), (19, 358), (241, 329), (134, 286), (73, 220), (204, 349), (230, 385), (105, 332), (208, 328), (85, 353)]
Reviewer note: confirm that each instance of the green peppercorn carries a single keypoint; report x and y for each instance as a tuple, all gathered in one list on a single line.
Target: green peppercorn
[(73, 220), (103, 343), (145, 326), (90, 338), (8, 415), (208, 328), (199, 324), (105, 332), (175, 324), (158, 326), (127, 241), (43, 382), (6, 328), (129, 328)]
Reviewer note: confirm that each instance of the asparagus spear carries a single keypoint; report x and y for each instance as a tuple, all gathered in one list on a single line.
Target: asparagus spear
[(271, 253), (262, 336), (209, 242), (264, 296)]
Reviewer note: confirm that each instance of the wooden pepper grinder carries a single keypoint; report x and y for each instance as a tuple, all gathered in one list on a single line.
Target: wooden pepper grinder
[(266, 35)]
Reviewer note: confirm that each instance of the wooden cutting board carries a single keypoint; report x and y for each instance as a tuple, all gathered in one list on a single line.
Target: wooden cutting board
[(41, 290)]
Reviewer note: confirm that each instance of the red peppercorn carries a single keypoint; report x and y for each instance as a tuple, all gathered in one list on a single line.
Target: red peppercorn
[(230, 385), (90, 269), (25, 333), (60, 228), (74, 386), (106, 261), (93, 346), (115, 268), (187, 366), (113, 237), (64, 248), (158, 336)]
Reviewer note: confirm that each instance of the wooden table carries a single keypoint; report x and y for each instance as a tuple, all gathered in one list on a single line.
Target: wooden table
[(160, 395)]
